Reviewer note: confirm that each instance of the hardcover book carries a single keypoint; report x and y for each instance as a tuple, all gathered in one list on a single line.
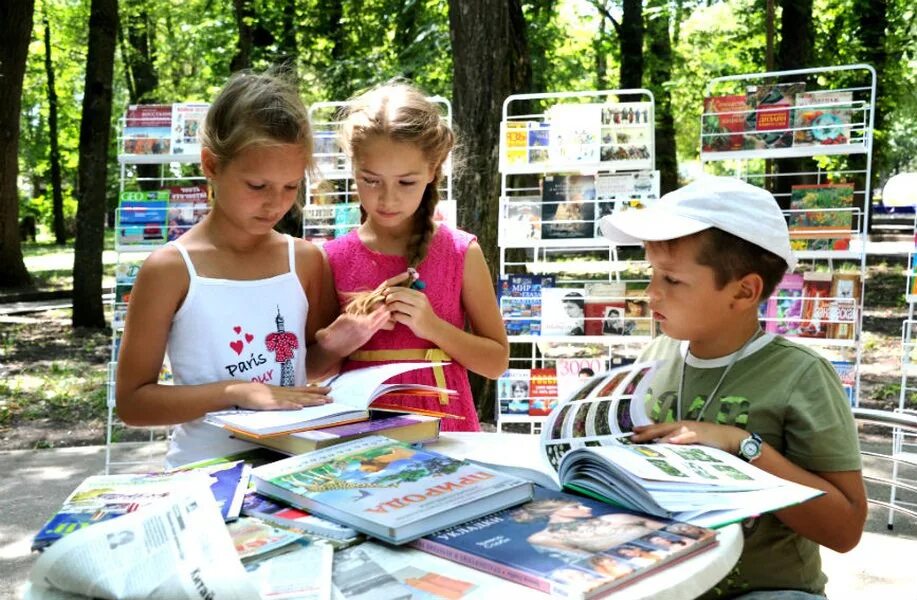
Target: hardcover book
[(568, 207), (769, 118), (723, 124), (352, 393), (513, 392), (568, 545), (408, 428), (823, 211), (388, 489), (822, 118)]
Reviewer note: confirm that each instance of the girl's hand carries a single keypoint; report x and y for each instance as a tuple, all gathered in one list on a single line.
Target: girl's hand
[(260, 396), (724, 437), (349, 332), (412, 308)]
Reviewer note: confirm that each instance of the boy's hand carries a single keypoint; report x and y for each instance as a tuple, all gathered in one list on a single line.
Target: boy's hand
[(260, 396), (724, 437), (349, 332), (412, 308)]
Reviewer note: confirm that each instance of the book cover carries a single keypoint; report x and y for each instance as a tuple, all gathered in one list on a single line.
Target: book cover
[(723, 124), (539, 142), (388, 489), (521, 222), (282, 515), (568, 545), (563, 311), (619, 191), (568, 207), (513, 392), (846, 372), (403, 428), (520, 302), (769, 117), (329, 157), (573, 372), (347, 216), (638, 315), (516, 137), (821, 211), (605, 308), (816, 304), (822, 118), (575, 132), (542, 391), (147, 129), (845, 300), (187, 123), (318, 222), (784, 308), (626, 133), (188, 205)]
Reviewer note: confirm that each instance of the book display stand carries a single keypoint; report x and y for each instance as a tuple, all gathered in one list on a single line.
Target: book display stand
[(571, 304), (904, 442), (332, 207), (156, 204), (819, 121)]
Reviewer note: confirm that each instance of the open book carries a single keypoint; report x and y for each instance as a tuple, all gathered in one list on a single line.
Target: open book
[(352, 393), (585, 447)]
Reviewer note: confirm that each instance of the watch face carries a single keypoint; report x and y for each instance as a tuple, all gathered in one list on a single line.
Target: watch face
[(750, 448)]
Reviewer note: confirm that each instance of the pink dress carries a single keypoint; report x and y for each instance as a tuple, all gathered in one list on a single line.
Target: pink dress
[(356, 268)]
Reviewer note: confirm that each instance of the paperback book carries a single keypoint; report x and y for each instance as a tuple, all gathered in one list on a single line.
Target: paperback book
[(605, 308), (770, 115), (563, 311), (516, 140), (542, 391), (568, 207), (187, 123), (823, 211), (513, 392), (568, 545), (784, 308), (822, 118), (842, 313), (352, 393), (816, 304), (521, 303), (388, 489), (585, 446), (626, 134), (147, 129), (188, 205), (723, 125), (264, 508)]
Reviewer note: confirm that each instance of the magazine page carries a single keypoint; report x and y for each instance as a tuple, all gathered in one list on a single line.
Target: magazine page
[(301, 572), (175, 548)]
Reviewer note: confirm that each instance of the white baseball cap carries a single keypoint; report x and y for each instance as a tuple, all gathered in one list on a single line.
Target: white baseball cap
[(746, 211)]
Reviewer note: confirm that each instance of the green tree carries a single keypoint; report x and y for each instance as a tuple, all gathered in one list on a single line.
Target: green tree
[(60, 231)]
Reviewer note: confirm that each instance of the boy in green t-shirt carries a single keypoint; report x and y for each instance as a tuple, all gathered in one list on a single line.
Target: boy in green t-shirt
[(718, 247)]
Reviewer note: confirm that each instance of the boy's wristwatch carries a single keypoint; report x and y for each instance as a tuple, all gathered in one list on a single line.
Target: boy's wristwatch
[(751, 447)]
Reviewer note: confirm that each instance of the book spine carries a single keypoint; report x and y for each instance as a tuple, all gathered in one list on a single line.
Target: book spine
[(483, 564)]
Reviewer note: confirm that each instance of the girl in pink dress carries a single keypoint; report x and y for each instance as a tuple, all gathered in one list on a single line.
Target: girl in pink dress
[(438, 289)]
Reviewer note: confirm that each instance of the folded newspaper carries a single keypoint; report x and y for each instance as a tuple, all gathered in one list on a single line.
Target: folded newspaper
[(585, 446)]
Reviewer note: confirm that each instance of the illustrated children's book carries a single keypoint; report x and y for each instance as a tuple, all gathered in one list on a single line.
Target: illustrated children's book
[(404, 428), (843, 311), (513, 391), (784, 308), (816, 304), (585, 446), (822, 118), (388, 489), (822, 212), (568, 545), (568, 207), (723, 125), (352, 392), (769, 116)]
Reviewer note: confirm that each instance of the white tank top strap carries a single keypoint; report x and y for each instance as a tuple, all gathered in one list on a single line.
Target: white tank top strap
[(291, 252), (185, 257)]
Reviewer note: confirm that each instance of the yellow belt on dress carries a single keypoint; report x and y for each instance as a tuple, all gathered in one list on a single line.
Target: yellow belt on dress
[(427, 354)]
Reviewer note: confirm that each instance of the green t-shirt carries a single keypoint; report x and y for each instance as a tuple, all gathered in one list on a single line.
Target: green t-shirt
[(792, 398)]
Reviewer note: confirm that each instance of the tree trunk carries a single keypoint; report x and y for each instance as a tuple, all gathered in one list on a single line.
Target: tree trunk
[(57, 194), (660, 73), (287, 48), (244, 16), (873, 17), (95, 129), (631, 35), (16, 16), (487, 38), (601, 59)]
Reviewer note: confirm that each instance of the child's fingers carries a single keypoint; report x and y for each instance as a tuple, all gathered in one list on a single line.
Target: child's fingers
[(397, 279)]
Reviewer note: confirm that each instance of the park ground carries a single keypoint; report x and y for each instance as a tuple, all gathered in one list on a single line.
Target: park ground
[(53, 378)]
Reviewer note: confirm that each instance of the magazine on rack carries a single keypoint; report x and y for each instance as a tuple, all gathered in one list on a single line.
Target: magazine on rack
[(585, 447), (352, 393)]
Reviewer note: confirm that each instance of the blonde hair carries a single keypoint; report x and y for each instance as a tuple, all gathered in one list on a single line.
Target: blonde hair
[(401, 113), (257, 109)]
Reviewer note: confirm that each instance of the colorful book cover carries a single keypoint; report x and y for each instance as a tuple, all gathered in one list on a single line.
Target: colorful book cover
[(845, 299), (513, 392), (568, 545), (816, 304), (822, 118), (821, 211), (147, 129), (266, 509), (346, 217), (539, 142), (568, 207), (575, 132), (563, 311), (605, 308), (188, 205), (769, 117), (784, 308), (846, 372), (723, 124), (638, 315), (543, 391), (626, 134), (521, 302), (521, 222), (912, 275), (388, 489), (187, 123), (516, 137)]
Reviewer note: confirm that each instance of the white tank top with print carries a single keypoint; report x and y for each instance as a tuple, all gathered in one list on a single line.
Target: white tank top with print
[(247, 330)]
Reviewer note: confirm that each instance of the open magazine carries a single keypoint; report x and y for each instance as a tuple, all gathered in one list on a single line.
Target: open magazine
[(352, 393), (585, 446)]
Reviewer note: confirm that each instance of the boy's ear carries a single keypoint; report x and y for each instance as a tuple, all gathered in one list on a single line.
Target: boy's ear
[(748, 291)]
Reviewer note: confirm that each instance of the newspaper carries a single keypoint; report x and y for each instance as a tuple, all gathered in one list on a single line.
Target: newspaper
[(175, 548)]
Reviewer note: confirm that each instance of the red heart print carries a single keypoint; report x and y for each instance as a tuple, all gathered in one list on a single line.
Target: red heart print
[(237, 329), (249, 337), (237, 346)]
